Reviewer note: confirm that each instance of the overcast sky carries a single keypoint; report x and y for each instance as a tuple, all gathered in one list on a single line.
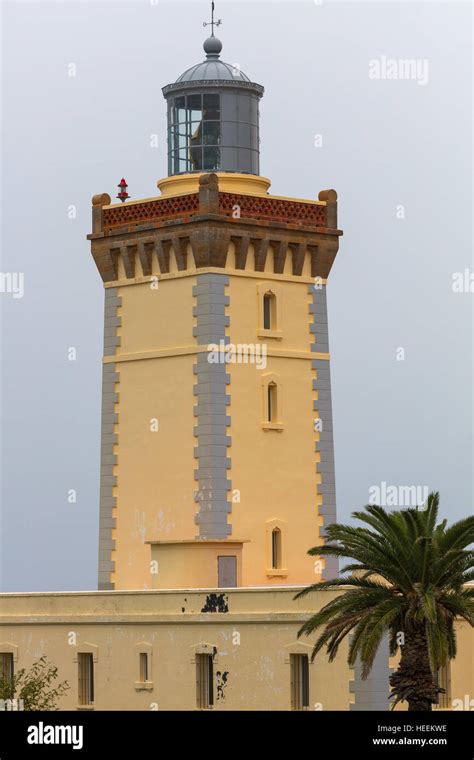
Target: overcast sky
[(396, 150)]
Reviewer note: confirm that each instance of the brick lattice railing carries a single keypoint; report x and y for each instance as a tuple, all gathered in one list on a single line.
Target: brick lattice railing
[(250, 206), (161, 208), (273, 209)]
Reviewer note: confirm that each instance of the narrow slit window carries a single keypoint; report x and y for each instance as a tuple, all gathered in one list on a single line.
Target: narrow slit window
[(86, 678), (276, 548), (272, 402), (144, 674), (6, 666), (269, 311), (204, 681), (299, 666)]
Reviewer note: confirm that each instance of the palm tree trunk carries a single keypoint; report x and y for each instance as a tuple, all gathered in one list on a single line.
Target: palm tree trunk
[(413, 680)]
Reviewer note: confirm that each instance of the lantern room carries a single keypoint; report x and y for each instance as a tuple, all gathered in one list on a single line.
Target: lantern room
[(213, 112)]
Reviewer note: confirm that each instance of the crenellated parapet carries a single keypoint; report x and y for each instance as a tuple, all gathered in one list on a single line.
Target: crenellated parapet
[(203, 228)]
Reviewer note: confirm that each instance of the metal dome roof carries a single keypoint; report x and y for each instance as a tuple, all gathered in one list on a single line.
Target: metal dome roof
[(213, 69), (212, 72)]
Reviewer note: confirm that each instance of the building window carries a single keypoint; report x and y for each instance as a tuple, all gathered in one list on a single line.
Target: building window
[(143, 652), (272, 402), (299, 667), (6, 666), (204, 681), (269, 311), (276, 548), (144, 673), (269, 300), (275, 543), (272, 409), (85, 663), (443, 681)]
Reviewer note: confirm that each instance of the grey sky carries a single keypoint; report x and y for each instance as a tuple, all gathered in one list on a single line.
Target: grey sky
[(385, 143)]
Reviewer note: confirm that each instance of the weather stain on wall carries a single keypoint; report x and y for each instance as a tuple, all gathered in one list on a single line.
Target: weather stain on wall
[(216, 603), (221, 683)]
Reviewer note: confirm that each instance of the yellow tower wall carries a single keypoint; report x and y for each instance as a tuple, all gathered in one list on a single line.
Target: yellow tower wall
[(155, 461), (189, 451), (274, 469)]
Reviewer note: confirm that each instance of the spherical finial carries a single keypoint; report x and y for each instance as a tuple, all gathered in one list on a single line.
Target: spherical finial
[(212, 47)]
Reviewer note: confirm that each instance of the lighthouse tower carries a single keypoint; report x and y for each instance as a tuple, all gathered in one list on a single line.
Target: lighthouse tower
[(217, 464)]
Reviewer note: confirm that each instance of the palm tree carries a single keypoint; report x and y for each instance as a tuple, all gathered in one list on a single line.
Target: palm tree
[(408, 581)]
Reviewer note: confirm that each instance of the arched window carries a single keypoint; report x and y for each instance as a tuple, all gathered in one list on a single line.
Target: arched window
[(272, 402), (269, 311), (276, 548)]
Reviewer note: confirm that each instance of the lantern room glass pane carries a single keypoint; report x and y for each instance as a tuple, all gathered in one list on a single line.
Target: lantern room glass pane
[(195, 131), (194, 105), (195, 157), (253, 138), (211, 107), (229, 133), (253, 111), (173, 139), (177, 138), (246, 160), (182, 160), (177, 162), (212, 159), (179, 115), (244, 136), (211, 133), (243, 108)]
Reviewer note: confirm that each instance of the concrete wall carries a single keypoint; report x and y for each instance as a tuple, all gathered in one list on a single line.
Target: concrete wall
[(253, 633)]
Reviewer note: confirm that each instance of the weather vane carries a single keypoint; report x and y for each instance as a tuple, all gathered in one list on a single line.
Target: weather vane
[(212, 23)]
